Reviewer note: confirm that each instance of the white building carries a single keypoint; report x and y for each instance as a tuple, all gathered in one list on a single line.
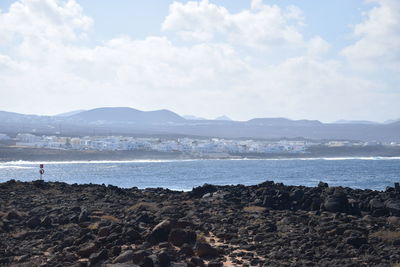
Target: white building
[(4, 137)]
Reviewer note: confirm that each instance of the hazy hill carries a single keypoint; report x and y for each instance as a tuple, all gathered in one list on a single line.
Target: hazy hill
[(283, 122), (17, 117), (355, 122), (193, 118), (70, 113), (223, 118), (130, 115), (8, 116)]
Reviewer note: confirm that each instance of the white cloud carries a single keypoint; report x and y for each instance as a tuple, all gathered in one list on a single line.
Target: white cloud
[(296, 14), (51, 72), (378, 38), (317, 46), (262, 26), (44, 19), (199, 21)]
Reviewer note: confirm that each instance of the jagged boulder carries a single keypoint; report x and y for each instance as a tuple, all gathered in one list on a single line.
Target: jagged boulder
[(203, 249), (160, 232), (337, 202), (393, 206), (178, 237), (200, 191)]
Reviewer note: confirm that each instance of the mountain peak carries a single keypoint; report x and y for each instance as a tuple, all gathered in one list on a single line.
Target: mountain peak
[(223, 118)]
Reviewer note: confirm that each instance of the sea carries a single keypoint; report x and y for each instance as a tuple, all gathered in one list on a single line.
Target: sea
[(366, 173)]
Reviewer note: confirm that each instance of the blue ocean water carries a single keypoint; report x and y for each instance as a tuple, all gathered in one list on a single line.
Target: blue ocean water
[(372, 173)]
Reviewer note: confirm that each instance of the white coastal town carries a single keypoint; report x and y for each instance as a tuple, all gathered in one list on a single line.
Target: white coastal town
[(184, 145)]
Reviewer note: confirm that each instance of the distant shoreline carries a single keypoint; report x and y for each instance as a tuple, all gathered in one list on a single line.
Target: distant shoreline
[(8, 154)]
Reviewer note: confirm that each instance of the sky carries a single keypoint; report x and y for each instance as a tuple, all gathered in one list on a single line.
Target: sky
[(299, 59)]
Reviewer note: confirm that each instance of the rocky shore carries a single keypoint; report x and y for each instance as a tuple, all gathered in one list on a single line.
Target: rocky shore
[(270, 224)]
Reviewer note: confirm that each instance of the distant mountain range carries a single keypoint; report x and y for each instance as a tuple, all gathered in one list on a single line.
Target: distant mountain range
[(129, 121)]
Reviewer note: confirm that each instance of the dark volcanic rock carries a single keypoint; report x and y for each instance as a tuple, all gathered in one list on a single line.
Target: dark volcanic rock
[(186, 250), (83, 216), (202, 190), (376, 204), (270, 224), (87, 249), (132, 235), (178, 237), (160, 232), (205, 250), (96, 257), (323, 185), (46, 222), (164, 258), (356, 241), (139, 256), (393, 206), (33, 222), (125, 256), (13, 215), (336, 203)]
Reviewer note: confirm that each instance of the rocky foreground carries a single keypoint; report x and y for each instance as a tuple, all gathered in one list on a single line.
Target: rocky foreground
[(56, 224)]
